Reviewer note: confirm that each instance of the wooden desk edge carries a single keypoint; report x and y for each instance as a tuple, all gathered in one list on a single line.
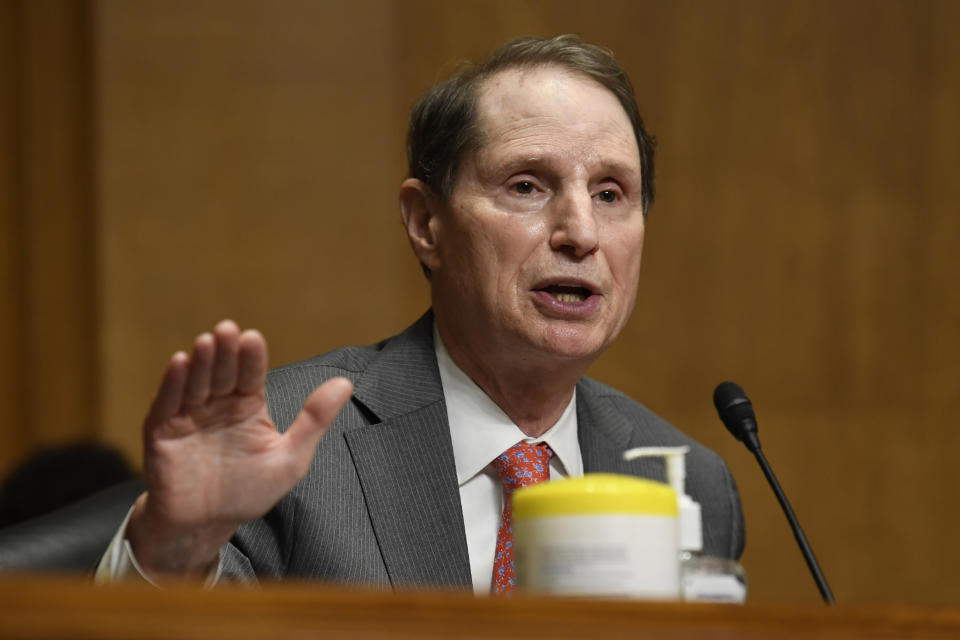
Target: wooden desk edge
[(41, 607)]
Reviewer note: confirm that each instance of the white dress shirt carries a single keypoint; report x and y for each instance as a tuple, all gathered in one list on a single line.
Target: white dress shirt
[(481, 431)]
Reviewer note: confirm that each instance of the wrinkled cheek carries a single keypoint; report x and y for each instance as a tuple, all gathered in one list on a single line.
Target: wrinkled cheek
[(635, 254), (629, 281), (638, 243)]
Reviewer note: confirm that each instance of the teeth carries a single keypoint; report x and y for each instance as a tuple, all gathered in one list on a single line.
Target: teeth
[(568, 297)]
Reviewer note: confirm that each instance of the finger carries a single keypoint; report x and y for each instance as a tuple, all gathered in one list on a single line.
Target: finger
[(166, 403), (226, 337), (197, 389), (318, 412), (251, 362)]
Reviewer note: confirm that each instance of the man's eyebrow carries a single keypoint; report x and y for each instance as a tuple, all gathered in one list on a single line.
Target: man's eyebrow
[(514, 164), (615, 168), (523, 162), (607, 168)]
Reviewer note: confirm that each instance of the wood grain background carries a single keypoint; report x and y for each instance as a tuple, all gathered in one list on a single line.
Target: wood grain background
[(166, 164)]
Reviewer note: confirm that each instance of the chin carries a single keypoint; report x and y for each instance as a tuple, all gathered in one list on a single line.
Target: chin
[(574, 344)]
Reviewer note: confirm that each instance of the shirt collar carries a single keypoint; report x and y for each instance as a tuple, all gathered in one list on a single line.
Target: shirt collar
[(481, 431)]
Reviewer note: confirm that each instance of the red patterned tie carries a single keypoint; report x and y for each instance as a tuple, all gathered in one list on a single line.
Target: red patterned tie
[(521, 465)]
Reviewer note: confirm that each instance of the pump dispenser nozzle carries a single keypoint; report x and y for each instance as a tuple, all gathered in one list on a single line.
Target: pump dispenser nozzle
[(691, 535)]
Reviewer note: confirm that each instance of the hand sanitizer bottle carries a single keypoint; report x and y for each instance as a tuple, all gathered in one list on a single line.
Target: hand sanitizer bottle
[(702, 578)]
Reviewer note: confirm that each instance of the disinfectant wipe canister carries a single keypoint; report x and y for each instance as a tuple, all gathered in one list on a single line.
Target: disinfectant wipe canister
[(602, 534)]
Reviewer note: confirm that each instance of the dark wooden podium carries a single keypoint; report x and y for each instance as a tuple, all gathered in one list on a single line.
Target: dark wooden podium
[(35, 607)]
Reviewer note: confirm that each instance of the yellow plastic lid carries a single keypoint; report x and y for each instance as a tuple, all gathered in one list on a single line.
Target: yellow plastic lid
[(595, 494)]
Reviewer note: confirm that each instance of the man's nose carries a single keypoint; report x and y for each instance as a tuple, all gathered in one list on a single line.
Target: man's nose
[(575, 227)]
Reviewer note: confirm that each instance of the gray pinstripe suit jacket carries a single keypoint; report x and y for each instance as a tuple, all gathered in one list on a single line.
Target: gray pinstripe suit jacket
[(381, 504)]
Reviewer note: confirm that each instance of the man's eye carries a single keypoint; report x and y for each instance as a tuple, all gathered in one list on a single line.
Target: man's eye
[(523, 187), (607, 195)]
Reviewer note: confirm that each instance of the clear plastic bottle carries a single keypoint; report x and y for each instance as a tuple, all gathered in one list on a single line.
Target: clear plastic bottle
[(702, 578), (711, 579)]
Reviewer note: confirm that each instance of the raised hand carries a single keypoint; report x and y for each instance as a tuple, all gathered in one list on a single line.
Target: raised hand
[(213, 459)]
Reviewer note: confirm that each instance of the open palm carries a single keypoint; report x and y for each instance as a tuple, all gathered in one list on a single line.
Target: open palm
[(213, 458)]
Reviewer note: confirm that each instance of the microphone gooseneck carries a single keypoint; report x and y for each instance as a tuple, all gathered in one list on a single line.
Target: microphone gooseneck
[(736, 412)]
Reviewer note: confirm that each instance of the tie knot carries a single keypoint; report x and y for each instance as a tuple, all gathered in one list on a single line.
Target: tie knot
[(523, 464)]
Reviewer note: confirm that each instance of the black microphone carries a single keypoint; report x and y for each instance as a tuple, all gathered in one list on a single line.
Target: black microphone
[(736, 411)]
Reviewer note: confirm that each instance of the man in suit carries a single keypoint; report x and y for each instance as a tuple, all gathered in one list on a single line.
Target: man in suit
[(530, 179)]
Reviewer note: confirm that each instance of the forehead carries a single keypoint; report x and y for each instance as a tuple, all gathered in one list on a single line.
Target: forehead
[(551, 110)]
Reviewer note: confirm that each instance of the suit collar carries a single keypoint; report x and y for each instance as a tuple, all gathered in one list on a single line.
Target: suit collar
[(403, 377), (605, 433)]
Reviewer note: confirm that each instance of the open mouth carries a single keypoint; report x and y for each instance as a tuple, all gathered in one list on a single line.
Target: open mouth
[(568, 293)]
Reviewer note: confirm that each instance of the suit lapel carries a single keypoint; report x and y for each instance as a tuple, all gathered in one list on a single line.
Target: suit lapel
[(604, 435), (405, 464)]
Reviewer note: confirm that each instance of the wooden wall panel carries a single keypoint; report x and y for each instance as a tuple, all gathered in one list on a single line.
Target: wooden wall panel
[(250, 156), (11, 435), (59, 245), (50, 370), (803, 263)]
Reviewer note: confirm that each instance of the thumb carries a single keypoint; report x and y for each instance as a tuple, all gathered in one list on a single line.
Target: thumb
[(319, 410)]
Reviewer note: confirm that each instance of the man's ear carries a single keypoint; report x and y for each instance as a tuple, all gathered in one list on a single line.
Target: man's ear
[(418, 211)]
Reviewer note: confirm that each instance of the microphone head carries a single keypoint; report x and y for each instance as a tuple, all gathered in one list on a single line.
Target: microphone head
[(736, 412)]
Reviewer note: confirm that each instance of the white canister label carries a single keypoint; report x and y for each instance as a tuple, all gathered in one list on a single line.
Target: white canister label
[(632, 555)]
